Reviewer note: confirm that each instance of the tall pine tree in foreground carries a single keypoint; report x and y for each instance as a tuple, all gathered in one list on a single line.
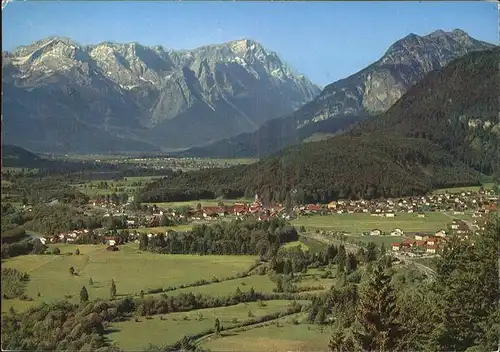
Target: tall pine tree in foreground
[(376, 326), (467, 283)]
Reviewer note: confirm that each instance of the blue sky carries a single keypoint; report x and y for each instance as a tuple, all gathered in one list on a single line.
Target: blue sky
[(326, 41)]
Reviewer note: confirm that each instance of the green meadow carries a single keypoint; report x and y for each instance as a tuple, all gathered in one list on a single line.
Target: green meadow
[(285, 336), (131, 269), (359, 223), (132, 335)]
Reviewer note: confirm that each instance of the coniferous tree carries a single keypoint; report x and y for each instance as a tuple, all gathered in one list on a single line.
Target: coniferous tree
[(143, 244), (339, 340), (217, 327), (288, 201), (377, 315), (467, 283), (113, 289), (352, 263), (371, 252), (84, 295), (341, 258)]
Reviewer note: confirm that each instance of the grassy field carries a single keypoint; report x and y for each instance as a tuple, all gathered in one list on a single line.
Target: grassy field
[(313, 278), (487, 185), (260, 283), (131, 269), (271, 338), (163, 229), (313, 245), (386, 240), (359, 223), (203, 202), (131, 335), (302, 245)]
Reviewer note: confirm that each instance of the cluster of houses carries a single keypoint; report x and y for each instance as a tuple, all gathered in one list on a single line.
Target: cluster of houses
[(68, 237), (161, 163), (476, 202), (479, 203), (241, 209), (421, 243)]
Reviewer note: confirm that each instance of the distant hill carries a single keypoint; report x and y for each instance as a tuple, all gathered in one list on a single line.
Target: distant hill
[(275, 136), (14, 156), (456, 107), (368, 92), (441, 133)]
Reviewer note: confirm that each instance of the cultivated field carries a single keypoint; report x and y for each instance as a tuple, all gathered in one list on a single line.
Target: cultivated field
[(131, 269), (260, 283), (127, 185), (379, 240), (132, 335), (273, 338), (359, 223)]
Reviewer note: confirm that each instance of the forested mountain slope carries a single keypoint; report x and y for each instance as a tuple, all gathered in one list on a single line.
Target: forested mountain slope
[(417, 145), (369, 92), (457, 108)]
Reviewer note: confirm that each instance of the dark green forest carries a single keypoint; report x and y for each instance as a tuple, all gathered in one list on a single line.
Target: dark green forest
[(341, 167), (440, 107), (225, 238)]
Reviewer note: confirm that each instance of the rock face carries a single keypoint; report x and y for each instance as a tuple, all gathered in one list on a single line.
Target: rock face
[(62, 96), (377, 87), (366, 93)]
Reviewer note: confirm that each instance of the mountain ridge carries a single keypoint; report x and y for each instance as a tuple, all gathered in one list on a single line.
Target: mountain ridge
[(443, 132), (142, 92), (367, 92)]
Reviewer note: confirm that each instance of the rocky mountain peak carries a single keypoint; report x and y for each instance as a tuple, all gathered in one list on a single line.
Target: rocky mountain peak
[(242, 47), (377, 87), (178, 98)]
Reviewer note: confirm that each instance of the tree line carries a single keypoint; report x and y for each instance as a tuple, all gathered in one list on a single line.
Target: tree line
[(250, 237)]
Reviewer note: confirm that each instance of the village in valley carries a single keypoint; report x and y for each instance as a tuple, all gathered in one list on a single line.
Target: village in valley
[(466, 211), (171, 183)]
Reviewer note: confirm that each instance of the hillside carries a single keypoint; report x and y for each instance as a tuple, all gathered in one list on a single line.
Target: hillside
[(13, 156), (419, 144), (368, 92), (340, 167), (456, 107), (60, 96)]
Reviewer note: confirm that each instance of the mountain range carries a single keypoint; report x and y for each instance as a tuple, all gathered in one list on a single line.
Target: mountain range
[(235, 99), (63, 97), (358, 97), (443, 132)]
